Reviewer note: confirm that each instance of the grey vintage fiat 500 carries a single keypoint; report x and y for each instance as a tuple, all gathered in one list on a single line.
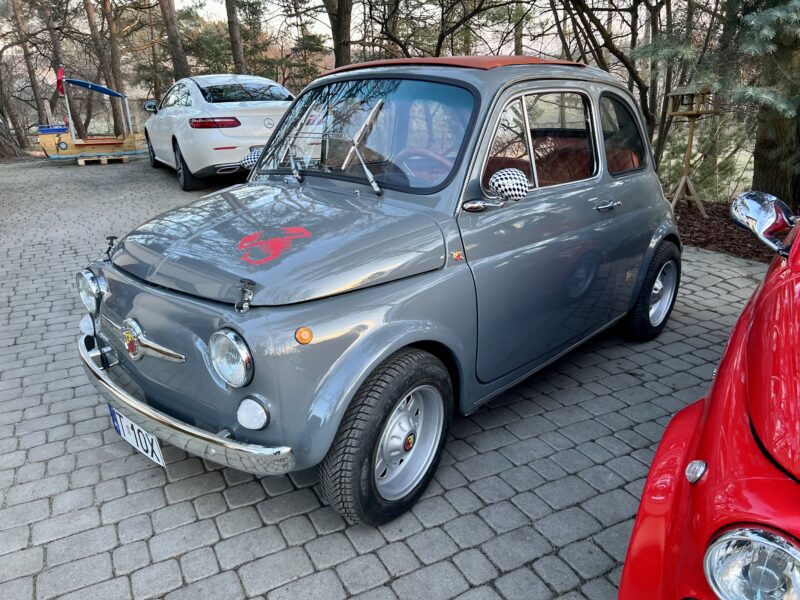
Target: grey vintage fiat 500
[(417, 236)]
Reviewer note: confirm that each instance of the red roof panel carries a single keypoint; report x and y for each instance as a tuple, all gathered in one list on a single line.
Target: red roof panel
[(467, 62)]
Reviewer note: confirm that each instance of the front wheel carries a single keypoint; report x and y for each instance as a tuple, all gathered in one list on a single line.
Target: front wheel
[(650, 314), (186, 178), (390, 440), (151, 154)]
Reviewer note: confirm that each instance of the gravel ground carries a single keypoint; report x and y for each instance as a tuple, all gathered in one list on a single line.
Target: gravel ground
[(535, 496)]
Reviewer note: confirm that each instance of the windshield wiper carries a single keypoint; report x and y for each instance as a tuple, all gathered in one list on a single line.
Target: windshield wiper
[(363, 130)]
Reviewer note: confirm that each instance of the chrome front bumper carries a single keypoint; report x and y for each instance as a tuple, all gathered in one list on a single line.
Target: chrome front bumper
[(224, 451)]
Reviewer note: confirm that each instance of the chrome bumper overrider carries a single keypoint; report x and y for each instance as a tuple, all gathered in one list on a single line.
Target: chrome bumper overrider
[(224, 451)]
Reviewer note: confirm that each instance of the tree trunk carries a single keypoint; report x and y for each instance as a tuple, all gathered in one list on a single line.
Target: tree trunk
[(180, 66), (235, 33), (105, 66), (775, 162), (7, 110), (154, 58), (519, 18), (340, 13), (57, 60), (22, 35)]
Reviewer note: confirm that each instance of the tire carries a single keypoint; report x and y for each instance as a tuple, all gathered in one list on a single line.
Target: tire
[(189, 183), (641, 324), (156, 164), (353, 475)]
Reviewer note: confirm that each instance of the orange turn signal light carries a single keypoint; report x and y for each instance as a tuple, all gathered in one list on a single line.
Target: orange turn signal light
[(303, 335)]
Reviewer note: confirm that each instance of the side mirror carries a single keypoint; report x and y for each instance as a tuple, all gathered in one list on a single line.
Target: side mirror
[(150, 106), (764, 215), (509, 184)]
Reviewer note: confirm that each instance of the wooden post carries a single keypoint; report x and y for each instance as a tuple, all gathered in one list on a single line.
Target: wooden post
[(684, 189)]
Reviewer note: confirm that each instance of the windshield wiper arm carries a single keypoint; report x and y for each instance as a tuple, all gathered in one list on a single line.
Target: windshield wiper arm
[(365, 127), (370, 177), (295, 171)]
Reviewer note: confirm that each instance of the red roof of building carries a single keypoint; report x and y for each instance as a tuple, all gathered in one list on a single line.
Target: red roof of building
[(468, 62)]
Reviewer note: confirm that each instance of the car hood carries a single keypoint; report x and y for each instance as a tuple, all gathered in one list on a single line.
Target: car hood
[(294, 244), (773, 366)]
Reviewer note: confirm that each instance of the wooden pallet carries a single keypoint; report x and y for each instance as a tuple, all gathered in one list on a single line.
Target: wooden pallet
[(103, 160)]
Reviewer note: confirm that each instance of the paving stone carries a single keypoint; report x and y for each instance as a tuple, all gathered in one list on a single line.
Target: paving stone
[(435, 582), (132, 504), (273, 571), (468, 531), (243, 548), (556, 573), (198, 564), (432, 545), (565, 492), (297, 530), (504, 516), (432, 512), (15, 539), (515, 548), (238, 521), (173, 516), (134, 529), (398, 559), (156, 580), (113, 589), (329, 550), (73, 576), (586, 558), (188, 489), (567, 526), (273, 510), (64, 525), (362, 573), (522, 584), (182, 539), (244, 494), (364, 538), (612, 507), (326, 520), (21, 563), (319, 586), (475, 567), (225, 586), (481, 593), (80, 545), (130, 557)]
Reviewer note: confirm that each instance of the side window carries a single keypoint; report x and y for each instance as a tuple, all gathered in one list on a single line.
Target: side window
[(182, 96), (169, 99), (561, 137), (510, 146), (621, 137)]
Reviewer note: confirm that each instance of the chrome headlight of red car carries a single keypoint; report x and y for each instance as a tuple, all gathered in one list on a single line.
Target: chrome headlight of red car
[(752, 564)]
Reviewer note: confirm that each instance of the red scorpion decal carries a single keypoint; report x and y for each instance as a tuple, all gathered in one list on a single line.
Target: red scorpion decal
[(273, 247)]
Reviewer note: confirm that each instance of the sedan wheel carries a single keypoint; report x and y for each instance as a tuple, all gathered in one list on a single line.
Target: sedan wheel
[(187, 180), (152, 154)]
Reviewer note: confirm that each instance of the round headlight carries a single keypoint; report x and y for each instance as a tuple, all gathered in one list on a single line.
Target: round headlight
[(231, 357), (750, 564), (89, 290)]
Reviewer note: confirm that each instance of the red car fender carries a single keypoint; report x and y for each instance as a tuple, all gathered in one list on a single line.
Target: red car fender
[(652, 554)]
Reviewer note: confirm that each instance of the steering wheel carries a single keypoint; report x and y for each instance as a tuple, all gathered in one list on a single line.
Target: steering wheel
[(407, 153)]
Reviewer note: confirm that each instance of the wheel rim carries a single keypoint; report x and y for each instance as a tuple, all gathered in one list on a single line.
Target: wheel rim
[(408, 443), (662, 293)]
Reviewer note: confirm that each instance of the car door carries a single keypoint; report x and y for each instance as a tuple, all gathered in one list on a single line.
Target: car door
[(543, 278), (160, 130)]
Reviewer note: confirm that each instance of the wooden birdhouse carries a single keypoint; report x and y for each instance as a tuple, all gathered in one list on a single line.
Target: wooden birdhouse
[(690, 102)]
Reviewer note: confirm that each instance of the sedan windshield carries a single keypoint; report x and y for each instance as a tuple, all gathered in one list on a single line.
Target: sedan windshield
[(405, 133)]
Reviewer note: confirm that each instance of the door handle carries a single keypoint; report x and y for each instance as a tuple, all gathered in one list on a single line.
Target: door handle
[(481, 205), (608, 205)]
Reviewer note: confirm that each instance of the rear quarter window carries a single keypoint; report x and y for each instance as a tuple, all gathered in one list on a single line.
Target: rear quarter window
[(621, 136)]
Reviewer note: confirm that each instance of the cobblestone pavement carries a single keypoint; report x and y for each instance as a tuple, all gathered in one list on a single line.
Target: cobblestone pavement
[(534, 499)]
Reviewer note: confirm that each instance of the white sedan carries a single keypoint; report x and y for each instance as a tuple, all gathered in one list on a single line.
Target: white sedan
[(205, 125)]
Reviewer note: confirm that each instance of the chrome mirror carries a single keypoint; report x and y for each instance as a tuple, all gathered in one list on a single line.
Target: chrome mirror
[(150, 106), (509, 184), (763, 214)]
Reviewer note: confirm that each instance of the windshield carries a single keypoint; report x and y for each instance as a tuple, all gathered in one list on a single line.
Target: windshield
[(252, 91), (408, 133)]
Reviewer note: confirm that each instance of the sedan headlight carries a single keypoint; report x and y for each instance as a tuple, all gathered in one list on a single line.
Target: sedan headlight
[(230, 357), (89, 290), (745, 564)]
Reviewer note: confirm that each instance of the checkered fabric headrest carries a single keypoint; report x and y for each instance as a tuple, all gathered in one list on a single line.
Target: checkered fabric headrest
[(249, 161), (509, 184)]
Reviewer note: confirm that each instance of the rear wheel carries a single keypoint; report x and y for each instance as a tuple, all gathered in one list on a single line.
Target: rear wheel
[(188, 181), (657, 297), (151, 154), (390, 440)]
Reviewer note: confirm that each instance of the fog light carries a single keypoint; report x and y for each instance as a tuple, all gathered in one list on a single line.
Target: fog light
[(252, 414)]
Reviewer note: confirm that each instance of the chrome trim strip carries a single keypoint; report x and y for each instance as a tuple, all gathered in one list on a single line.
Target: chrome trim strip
[(147, 345), (244, 457)]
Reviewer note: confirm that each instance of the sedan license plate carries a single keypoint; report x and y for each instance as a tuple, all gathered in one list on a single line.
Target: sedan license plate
[(144, 442)]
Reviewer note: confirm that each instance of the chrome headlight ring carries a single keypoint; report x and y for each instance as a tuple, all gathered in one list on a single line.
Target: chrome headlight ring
[(753, 564), (90, 290), (231, 359)]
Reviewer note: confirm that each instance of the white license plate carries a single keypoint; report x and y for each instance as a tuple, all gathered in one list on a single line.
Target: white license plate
[(144, 442)]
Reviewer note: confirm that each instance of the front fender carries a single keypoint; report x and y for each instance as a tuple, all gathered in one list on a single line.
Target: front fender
[(353, 334)]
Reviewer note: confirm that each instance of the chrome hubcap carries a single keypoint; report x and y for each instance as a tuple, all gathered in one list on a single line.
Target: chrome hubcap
[(662, 293), (407, 445)]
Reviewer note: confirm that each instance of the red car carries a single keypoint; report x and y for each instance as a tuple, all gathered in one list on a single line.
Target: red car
[(720, 513)]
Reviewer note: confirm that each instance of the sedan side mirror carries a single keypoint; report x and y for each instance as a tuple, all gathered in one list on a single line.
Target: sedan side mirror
[(150, 106), (765, 215), (509, 184)]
